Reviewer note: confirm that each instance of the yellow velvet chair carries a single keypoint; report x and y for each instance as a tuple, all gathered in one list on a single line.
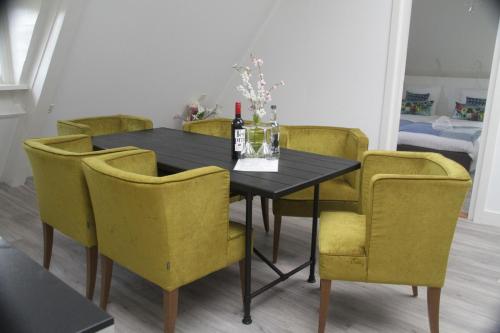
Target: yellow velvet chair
[(103, 125), (341, 193), (62, 194), (410, 206), (160, 227), (221, 127)]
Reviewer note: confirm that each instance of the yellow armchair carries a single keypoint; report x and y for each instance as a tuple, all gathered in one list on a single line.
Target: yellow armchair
[(160, 227), (410, 206), (221, 127), (341, 193), (103, 125), (62, 193)]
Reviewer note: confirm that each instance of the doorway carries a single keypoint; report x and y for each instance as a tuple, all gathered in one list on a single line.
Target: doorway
[(441, 104)]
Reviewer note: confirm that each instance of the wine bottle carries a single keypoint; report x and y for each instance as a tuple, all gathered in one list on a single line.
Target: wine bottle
[(237, 133), (275, 133)]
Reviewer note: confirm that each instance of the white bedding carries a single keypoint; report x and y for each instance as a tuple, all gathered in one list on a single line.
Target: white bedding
[(441, 143), (430, 119)]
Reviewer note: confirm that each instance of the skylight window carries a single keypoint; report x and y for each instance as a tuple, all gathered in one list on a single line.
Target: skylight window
[(17, 22), (2, 44)]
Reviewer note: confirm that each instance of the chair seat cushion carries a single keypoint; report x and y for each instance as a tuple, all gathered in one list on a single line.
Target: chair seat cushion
[(342, 246), (342, 234), (236, 230), (335, 195), (235, 198), (332, 190)]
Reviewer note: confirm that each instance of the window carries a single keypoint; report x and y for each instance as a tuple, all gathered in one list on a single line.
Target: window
[(2, 46), (5, 64), (17, 22)]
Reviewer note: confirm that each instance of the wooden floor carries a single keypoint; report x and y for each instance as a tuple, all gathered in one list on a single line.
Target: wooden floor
[(470, 300)]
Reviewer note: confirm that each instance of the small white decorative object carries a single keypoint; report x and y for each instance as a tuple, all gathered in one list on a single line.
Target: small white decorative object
[(198, 111)]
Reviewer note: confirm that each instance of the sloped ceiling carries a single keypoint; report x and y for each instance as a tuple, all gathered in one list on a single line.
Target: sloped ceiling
[(446, 40)]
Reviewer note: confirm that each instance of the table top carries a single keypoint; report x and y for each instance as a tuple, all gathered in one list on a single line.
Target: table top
[(33, 300), (177, 150)]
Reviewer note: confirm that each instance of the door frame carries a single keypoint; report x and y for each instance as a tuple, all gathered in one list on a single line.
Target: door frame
[(393, 90), (479, 211), (399, 33)]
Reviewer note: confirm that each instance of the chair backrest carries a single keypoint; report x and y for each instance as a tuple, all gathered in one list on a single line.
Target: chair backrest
[(103, 125), (171, 230), (348, 143), (60, 185), (412, 202), (220, 127)]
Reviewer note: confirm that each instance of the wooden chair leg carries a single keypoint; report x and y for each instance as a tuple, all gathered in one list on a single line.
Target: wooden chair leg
[(106, 273), (433, 298), (242, 277), (264, 203), (325, 286), (414, 289), (91, 270), (276, 237), (48, 240), (170, 303)]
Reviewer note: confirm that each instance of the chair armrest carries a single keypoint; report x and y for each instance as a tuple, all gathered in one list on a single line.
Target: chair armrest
[(135, 123), (356, 146), (140, 161), (77, 143), (283, 136), (68, 127)]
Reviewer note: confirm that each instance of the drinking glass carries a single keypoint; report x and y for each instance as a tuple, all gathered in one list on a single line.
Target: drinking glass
[(248, 150), (265, 148)]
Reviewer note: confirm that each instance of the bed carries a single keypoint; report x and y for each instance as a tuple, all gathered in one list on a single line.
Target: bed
[(460, 143), (443, 115)]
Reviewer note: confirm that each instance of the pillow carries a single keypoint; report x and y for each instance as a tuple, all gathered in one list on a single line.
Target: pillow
[(411, 96), (434, 91), (474, 93), (468, 112), (421, 108), (475, 101)]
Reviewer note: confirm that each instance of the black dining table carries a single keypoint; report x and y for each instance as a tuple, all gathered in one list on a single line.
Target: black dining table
[(178, 151), (33, 300)]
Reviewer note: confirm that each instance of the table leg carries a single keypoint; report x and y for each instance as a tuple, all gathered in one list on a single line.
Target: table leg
[(312, 279), (247, 319)]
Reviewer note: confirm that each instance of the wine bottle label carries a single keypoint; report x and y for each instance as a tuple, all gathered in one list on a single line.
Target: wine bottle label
[(239, 139)]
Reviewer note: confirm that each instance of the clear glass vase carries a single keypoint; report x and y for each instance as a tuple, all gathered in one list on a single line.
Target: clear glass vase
[(257, 143)]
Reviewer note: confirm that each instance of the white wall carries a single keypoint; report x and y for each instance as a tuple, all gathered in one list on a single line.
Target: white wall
[(151, 57), (447, 41), (332, 56), (486, 196), (493, 194), (9, 115)]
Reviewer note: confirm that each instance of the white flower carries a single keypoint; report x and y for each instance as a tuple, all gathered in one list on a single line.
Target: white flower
[(260, 96)]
